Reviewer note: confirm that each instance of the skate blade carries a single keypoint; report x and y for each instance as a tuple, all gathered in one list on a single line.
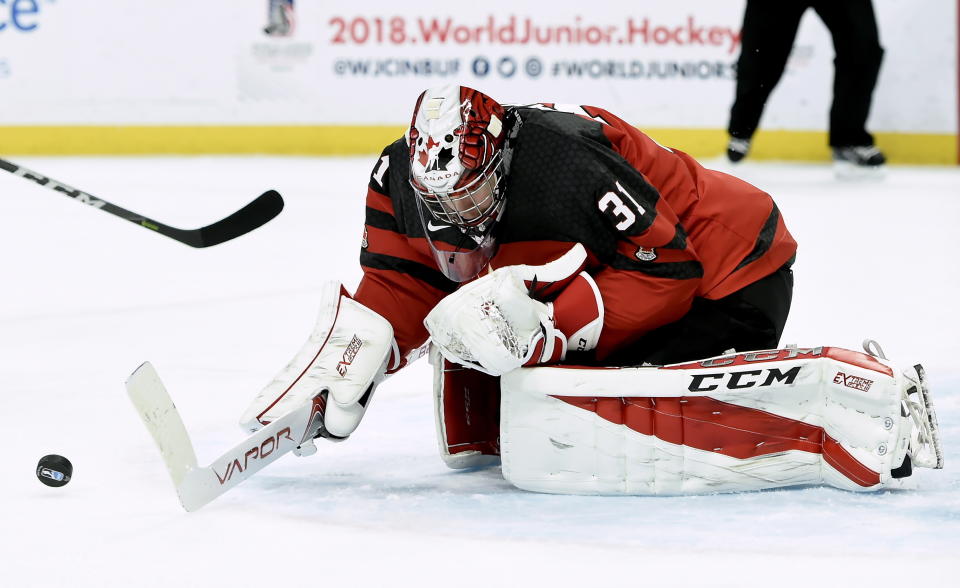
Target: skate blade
[(847, 171), (925, 448)]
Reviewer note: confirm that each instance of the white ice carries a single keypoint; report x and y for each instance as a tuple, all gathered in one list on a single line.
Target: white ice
[(86, 297)]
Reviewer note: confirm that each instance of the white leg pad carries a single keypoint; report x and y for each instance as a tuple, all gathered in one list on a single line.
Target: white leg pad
[(739, 422)]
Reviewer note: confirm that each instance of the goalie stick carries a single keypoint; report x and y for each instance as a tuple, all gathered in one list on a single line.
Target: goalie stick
[(196, 486), (256, 213)]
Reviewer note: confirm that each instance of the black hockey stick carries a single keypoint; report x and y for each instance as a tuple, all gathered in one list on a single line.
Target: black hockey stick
[(256, 213)]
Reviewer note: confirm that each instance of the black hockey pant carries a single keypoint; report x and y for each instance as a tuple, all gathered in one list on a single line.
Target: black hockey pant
[(769, 29), (749, 319)]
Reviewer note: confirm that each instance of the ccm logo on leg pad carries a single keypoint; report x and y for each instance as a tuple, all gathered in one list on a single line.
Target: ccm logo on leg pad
[(742, 379)]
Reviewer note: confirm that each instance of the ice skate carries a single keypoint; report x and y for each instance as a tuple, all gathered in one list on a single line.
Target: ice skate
[(924, 449), (923, 446), (737, 149), (862, 161)]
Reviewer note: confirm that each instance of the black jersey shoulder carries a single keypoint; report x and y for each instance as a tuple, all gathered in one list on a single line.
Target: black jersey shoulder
[(561, 166), (588, 133), (397, 186)]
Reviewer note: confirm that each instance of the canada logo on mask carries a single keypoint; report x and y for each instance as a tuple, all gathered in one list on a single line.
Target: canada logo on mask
[(436, 156)]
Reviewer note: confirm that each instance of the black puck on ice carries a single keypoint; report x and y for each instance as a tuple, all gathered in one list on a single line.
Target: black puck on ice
[(54, 470)]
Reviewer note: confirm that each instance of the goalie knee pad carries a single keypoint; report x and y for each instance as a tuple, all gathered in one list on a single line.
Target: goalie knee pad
[(345, 357), (738, 422), (467, 410)]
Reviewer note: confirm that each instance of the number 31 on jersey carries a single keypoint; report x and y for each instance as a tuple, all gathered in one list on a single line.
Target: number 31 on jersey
[(613, 205)]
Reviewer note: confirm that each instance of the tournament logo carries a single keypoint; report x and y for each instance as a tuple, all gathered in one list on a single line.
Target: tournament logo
[(52, 474), (280, 18), (644, 254)]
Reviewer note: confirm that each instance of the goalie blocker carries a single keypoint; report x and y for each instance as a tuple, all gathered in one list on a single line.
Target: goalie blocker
[(743, 421), (323, 392), (347, 355)]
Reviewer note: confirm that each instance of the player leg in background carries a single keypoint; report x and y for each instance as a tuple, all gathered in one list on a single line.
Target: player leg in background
[(853, 25), (769, 29), (750, 319)]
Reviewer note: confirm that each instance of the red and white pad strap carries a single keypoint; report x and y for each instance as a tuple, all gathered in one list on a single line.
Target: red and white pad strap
[(547, 346)]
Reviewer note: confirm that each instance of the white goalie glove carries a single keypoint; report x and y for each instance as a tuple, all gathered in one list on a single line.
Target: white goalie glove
[(494, 326), (345, 358)]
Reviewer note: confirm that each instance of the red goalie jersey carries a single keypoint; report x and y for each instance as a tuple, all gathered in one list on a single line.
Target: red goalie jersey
[(660, 230)]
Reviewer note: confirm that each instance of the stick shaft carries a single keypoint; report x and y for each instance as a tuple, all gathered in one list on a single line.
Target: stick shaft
[(256, 213)]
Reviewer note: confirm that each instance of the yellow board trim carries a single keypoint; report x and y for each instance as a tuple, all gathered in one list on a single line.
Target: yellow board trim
[(905, 148), (902, 148), (196, 140)]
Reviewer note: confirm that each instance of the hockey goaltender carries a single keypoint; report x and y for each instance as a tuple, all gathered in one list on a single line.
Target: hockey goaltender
[(603, 316), (550, 235)]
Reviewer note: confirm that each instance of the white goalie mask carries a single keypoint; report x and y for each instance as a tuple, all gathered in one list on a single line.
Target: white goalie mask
[(456, 142)]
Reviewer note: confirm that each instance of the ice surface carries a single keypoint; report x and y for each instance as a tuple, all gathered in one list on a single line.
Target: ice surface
[(86, 297)]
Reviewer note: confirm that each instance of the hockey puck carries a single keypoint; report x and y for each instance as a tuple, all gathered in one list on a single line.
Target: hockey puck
[(54, 470)]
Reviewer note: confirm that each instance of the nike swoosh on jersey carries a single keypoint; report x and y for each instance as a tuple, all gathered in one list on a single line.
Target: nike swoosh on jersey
[(433, 227)]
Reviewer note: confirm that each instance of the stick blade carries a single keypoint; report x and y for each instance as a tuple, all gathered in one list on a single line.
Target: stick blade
[(160, 416), (197, 486), (254, 215)]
